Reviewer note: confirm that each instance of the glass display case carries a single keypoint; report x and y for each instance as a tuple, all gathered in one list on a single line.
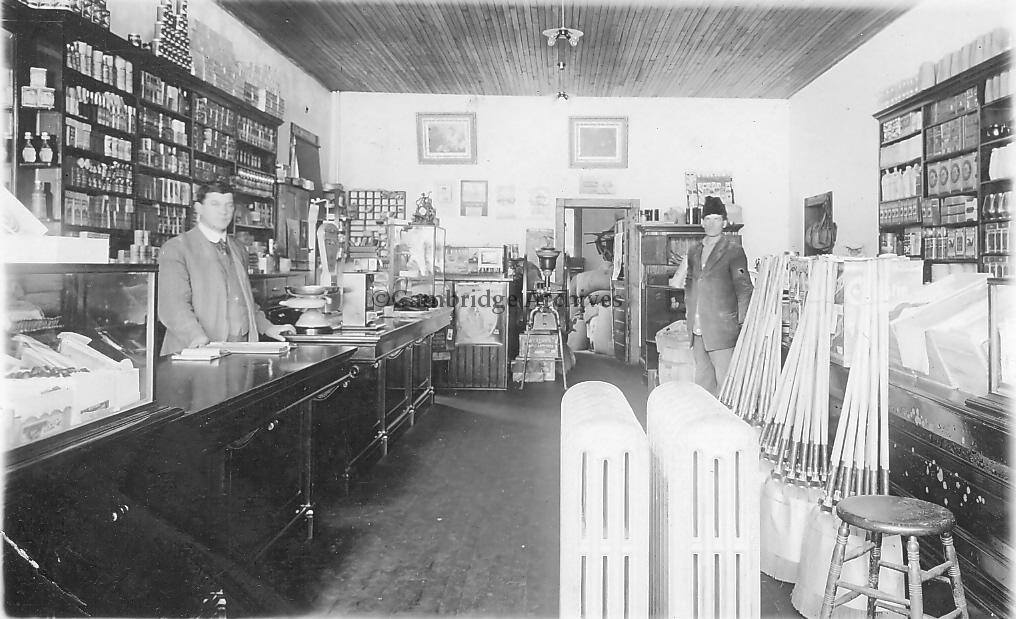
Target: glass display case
[(416, 260), (1002, 337), (80, 348)]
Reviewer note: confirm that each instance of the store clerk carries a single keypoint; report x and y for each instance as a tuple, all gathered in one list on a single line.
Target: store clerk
[(204, 290), (717, 290)]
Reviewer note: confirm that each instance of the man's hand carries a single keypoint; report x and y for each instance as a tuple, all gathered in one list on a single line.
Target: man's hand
[(275, 331), (200, 340)]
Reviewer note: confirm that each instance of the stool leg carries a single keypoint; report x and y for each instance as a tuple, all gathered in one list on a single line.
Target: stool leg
[(874, 568), (835, 569), (954, 575), (914, 578)]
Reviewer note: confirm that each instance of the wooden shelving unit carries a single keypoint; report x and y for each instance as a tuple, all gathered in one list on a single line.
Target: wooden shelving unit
[(956, 144), (41, 39)]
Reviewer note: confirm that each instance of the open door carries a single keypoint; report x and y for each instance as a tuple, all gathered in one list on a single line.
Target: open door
[(580, 222)]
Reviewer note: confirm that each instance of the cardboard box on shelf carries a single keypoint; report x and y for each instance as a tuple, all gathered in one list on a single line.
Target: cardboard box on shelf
[(31, 411)]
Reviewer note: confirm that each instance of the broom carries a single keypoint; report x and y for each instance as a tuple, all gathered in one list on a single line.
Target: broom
[(860, 447), (786, 499), (751, 363)]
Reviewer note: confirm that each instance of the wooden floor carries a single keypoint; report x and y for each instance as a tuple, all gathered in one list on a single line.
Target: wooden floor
[(460, 518)]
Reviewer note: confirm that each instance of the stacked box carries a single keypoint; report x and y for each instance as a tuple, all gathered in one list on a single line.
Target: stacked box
[(539, 345), (536, 372)]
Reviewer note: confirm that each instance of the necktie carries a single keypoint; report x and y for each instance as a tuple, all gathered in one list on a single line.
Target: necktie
[(222, 247)]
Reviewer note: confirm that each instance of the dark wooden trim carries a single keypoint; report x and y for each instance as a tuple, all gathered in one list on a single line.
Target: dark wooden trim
[(300, 133), (77, 440)]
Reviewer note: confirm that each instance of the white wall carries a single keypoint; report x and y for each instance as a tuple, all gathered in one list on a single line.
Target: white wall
[(833, 136), (308, 102), (522, 143)]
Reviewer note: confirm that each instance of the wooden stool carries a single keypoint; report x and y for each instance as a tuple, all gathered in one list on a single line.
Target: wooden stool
[(892, 515)]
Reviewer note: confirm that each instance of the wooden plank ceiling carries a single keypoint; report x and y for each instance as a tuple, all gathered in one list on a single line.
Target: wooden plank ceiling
[(634, 49)]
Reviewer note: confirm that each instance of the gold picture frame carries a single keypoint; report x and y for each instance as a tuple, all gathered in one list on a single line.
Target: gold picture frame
[(446, 139), (598, 142)]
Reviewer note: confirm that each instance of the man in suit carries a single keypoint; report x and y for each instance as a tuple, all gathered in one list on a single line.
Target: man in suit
[(204, 291), (717, 290)]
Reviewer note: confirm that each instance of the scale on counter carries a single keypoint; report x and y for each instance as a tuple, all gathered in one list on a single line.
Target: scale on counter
[(312, 302)]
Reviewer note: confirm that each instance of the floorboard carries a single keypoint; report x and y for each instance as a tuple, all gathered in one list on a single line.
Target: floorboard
[(460, 518)]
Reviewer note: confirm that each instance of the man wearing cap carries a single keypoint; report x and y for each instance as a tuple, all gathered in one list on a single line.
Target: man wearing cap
[(717, 291)]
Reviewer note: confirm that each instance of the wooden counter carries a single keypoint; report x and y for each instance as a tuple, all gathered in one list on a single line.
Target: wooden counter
[(171, 520), (393, 384), (950, 453)]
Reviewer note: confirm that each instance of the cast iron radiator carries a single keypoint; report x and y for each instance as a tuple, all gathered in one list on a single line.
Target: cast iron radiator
[(604, 505), (704, 544)]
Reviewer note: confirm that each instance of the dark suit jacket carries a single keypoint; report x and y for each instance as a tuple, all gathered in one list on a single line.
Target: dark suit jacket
[(721, 289), (192, 291)]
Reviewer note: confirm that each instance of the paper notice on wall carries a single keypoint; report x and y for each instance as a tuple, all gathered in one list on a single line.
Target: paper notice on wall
[(443, 193), (721, 187), (504, 202), (596, 185), (540, 204)]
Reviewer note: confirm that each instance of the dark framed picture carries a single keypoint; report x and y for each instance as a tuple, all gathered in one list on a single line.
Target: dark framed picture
[(473, 199), (446, 138), (597, 142)]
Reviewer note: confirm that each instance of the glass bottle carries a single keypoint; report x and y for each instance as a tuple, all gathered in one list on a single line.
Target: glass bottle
[(39, 201), (45, 151), (28, 153)]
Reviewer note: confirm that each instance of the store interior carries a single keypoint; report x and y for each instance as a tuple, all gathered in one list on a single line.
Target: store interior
[(482, 230)]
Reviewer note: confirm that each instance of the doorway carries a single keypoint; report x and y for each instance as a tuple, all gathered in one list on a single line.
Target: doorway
[(585, 229)]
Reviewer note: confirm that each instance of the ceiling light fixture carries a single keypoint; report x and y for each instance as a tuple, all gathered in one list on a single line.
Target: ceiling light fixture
[(568, 34)]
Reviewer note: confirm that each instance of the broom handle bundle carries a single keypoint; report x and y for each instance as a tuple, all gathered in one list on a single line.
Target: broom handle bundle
[(854, 394), (819, 288), (883, 380), (874, 421), (780, 409), (859, 459), (820, 407), (745, 341), (792, 448), (751, 361), (769, 356), (776, 413), (860, 447)]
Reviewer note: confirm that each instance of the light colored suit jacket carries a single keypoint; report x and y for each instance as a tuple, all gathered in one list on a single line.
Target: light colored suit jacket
[(192, 291), (720, 289)]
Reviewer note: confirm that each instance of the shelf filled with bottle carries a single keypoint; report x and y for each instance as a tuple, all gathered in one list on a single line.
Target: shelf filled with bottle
[(121, 125), (964, 126), (209, 114), (38, 151)]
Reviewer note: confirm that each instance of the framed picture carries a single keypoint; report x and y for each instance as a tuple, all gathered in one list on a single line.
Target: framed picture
[(473, 199), (446, 138), (598, 142)]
